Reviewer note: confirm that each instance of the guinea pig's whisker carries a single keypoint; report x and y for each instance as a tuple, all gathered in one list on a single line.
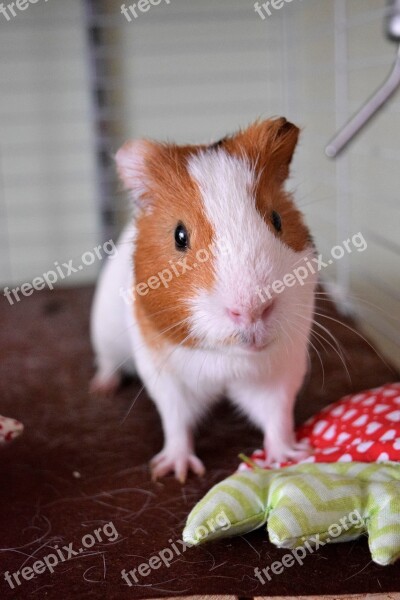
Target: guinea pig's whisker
[(337, 351), (320, 324), (164, 310), (357, 333), (325, 343), (337, 348), (160, 333), (315, 350), (358, 299), (319, 339), (306, 337), (132, 404), (326, 330), (350, 329), (200, 370), (121, 363), (165, 361), (285, 335), (159, 369)]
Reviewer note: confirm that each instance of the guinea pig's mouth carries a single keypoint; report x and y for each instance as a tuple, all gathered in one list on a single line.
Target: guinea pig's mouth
[(252, 344), (256, 348)]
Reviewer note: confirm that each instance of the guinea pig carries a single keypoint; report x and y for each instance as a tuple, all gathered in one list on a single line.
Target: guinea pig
[(213, 308)]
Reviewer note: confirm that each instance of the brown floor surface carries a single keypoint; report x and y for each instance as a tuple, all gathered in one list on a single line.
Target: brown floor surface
[(45, 367)]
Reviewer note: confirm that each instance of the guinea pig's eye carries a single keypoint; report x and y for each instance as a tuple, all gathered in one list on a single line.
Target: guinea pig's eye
[(276, 220), (181, 237)]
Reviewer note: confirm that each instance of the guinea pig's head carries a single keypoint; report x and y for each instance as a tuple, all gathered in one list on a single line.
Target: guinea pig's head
[(219, 239)]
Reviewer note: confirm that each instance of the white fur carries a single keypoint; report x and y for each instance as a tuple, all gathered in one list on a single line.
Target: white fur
[(184, 381), (131, 166), (111, 318)]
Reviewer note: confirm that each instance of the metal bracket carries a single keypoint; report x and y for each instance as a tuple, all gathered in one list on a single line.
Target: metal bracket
[(379, 98)]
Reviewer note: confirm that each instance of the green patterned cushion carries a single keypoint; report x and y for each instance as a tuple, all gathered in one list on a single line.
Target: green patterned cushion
[(330, 502)]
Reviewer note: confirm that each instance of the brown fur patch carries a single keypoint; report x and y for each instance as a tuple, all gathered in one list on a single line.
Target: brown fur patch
[(269, 146), (172, 197)]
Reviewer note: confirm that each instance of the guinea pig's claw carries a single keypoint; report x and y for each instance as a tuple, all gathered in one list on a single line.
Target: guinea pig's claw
[(180, 465), (296, 452)]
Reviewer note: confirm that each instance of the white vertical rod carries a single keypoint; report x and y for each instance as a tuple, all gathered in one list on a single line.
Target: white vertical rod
[(343, 207)]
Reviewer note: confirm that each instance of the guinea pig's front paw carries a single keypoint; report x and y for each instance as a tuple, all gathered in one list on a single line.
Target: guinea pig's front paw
[(177, 462), (281, 453), (104, 385)]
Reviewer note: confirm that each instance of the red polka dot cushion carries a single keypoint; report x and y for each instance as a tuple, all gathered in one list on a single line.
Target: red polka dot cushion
[(363, 427), (9, 429)]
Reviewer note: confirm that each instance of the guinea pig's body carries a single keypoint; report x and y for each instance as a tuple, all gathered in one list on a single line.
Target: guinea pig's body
[(191, 299)]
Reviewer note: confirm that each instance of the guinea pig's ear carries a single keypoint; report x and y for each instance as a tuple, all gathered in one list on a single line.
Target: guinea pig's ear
[(132, 166), (269, 145), (284, 138)]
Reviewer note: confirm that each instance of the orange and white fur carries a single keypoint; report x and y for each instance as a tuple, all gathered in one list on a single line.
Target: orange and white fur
[(208, 334)]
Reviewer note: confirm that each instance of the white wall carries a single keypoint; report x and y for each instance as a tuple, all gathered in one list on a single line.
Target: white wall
[(47, 186)]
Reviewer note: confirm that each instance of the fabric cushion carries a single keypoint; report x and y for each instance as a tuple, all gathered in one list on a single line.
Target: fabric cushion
[(306, 503), (363, 427)]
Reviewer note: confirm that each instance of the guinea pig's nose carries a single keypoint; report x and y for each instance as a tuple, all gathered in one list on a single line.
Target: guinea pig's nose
[(245, 316), (237, 315)]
